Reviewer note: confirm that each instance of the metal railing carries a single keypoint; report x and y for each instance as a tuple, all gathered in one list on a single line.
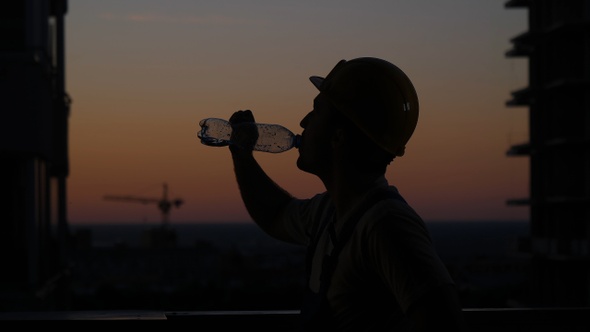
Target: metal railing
[(478, 320)]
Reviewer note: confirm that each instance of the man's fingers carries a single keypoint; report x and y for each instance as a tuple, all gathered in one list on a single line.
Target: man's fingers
[(242, 116)]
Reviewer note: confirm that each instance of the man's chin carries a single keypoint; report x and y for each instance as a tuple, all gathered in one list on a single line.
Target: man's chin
[(307, 169), (301, 165)]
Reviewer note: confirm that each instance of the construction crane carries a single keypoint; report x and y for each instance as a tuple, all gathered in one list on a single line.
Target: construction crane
[(164, 204)]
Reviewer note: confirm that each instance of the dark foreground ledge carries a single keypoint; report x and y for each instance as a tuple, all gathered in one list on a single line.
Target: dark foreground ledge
[(479, 320)]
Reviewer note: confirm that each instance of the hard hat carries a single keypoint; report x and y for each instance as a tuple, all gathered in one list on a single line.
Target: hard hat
[(375, 95)]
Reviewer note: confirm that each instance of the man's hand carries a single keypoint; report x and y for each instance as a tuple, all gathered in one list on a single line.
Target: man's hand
[(244, 132)]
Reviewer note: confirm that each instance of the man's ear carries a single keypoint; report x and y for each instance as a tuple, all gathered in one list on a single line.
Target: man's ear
[(338, 138)]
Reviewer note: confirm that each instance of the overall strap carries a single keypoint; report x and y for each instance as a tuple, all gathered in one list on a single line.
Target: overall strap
[(329, 261), (314, 241)]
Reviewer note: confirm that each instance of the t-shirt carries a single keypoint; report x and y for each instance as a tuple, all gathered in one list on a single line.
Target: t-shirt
[(386, 265)]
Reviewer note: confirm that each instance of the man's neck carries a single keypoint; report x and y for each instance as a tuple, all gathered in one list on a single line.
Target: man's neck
[(347, 191)]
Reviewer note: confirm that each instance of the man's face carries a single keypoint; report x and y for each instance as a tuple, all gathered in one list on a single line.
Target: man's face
[(315, 151)]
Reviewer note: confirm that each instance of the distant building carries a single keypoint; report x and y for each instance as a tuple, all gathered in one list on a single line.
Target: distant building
[(33, 155), (557, 46), (159, 237)]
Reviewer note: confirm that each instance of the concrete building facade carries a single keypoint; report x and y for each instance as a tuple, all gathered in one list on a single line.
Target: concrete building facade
[(557, 46)]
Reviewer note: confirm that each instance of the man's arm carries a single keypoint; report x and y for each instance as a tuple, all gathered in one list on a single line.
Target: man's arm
[(263, 198)]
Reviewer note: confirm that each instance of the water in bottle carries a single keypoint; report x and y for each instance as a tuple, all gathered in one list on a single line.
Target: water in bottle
[(272, 138)]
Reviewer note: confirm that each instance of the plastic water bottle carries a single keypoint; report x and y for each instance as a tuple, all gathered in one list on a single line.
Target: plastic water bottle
[(272, 138)]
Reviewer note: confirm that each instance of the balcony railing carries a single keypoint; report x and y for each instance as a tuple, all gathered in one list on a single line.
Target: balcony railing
[(478, 320)]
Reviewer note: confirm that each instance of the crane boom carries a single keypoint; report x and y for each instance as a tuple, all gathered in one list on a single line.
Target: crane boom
[(132, 198)]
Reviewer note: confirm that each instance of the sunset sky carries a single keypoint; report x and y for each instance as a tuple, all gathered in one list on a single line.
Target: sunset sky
[(141, 74)]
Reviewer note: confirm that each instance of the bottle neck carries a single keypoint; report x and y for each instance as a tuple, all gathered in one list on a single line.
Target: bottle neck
[(296, 141)]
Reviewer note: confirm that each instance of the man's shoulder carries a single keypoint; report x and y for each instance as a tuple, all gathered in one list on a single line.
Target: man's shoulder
[(392, 214)]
